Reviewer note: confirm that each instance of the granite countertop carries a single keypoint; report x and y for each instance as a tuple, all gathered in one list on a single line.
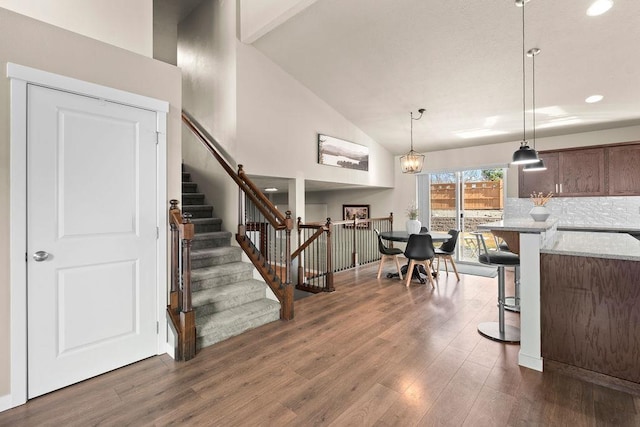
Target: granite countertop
[(522, 225), (592, 227), (595, 245)]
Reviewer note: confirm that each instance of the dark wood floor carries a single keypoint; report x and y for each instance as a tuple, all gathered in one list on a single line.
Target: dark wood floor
[(371, 353)]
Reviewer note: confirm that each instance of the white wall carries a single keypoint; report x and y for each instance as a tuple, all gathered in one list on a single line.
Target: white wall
[(278, 123), (123, 23), (45, 47)]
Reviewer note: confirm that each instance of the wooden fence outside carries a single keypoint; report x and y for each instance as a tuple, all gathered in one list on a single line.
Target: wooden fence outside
[(477, 195)]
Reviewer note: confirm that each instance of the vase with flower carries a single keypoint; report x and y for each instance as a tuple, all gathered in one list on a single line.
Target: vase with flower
[(412, 225), (540, 212)]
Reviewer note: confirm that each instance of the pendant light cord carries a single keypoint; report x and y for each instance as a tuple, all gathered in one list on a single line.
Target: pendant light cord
[(411, 113), (533, 97), (524, 122)]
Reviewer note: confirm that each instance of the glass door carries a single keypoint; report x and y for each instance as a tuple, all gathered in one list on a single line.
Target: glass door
[(464, 199)]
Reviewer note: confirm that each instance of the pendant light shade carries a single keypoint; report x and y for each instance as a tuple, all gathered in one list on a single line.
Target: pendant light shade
[(538, 165), (524, 154), (413, 161)]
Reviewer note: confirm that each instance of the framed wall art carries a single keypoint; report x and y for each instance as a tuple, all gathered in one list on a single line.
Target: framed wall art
[(344, 154)]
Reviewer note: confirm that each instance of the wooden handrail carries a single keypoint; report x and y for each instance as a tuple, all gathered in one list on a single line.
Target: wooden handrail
[(275, 218), (250, 198)]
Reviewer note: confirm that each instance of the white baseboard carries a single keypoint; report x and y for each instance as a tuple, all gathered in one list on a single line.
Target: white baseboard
[(530, 362), (6, 402)]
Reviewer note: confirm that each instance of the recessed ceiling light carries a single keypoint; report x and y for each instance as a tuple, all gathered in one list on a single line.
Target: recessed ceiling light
[(599, 7), (593, 98), (271, 189)]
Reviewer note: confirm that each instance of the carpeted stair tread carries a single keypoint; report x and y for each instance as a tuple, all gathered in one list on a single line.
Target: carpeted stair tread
[(199, 211), (207, 225), (220, 275), (220, 298), (189, 187), (219, 326), (211, 239), (208, 257)]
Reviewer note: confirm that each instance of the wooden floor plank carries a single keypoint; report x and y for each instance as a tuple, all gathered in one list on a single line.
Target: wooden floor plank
[(371, 353)]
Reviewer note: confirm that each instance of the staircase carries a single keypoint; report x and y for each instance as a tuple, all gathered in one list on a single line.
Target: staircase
[(226, 298)]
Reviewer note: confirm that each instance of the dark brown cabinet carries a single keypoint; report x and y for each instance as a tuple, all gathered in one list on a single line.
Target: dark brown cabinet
[(581, 173), (540, 181), (597, 171), (624, 170)]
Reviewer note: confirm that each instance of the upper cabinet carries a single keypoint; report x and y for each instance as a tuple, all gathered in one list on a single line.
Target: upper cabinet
[(599, 171), (624, 170), (540, 181), (581, 173)]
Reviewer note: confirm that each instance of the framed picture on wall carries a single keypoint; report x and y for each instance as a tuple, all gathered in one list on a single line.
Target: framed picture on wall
[(350, 212), (343, 154)]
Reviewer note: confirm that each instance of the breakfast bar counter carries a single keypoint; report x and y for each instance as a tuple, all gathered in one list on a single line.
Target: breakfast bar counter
[(532, 236)]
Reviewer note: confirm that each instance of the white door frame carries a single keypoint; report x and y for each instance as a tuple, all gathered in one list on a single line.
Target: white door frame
[(21, 76)]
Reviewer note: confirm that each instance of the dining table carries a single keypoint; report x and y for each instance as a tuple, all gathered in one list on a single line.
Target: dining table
[(403, 236)]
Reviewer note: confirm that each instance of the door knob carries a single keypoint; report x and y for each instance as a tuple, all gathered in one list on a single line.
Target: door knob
[(40, 256)]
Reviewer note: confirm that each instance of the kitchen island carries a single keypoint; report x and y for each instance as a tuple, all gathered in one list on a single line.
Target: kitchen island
[(590, 305)]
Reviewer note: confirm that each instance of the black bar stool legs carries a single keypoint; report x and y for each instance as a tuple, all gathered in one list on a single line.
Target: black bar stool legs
[(499, 331)]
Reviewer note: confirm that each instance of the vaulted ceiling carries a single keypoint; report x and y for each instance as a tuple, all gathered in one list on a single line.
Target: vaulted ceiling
[(375, 61)]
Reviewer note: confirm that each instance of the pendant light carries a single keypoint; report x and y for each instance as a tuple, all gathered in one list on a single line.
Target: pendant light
[(539, 165), (412, 161), (524, 154)]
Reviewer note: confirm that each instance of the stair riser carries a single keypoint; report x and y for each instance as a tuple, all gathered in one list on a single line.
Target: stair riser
[(224, 332), (189, 187), (192, 199), (215, 242), (186, 177), (216, 260), (221, 280), (207, 228), (199, 212), (230, 302)]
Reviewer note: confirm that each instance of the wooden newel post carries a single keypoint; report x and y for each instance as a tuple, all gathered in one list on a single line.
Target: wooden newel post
[(330, 287), (286, 306), (186, 262), (391, 220), (187, 315), (175, 257)]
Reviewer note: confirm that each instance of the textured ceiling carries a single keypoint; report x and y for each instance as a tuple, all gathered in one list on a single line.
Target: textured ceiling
[(374, 61)]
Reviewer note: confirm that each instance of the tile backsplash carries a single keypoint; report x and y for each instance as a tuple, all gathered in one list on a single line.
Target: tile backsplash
[(584, 211)]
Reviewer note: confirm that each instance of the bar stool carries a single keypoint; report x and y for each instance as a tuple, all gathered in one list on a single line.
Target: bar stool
[(498, 331), (511, 303)]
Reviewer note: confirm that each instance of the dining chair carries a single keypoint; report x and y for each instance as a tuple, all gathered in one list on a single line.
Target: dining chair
[(387, 253), (446, 252), (420, 250)]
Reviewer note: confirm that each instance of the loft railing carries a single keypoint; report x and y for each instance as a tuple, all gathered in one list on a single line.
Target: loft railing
[(180, 311), (325, 249), (264, 233)]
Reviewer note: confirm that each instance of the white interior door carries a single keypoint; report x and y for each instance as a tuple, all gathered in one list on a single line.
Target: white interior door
[(91, 212)]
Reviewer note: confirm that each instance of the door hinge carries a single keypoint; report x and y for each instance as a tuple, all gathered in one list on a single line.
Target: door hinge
[(157, 328), (157, 137), (157, 233), (26, 257)]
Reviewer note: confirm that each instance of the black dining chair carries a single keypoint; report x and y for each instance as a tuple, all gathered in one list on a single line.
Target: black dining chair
[(420, 250), (424, 230), (387, 253), (446, 252)]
